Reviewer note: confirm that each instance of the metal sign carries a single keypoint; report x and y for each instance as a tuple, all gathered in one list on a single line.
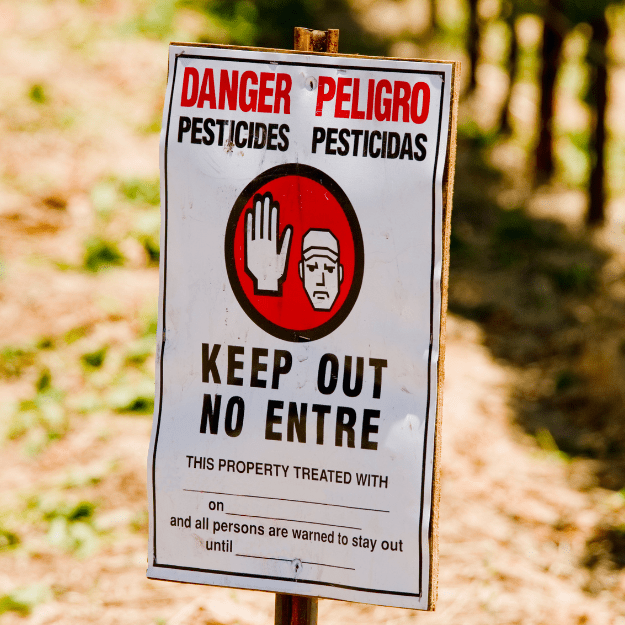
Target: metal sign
[(302, 251)]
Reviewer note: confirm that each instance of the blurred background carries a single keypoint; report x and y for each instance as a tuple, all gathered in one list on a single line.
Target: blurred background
[(532, 525)]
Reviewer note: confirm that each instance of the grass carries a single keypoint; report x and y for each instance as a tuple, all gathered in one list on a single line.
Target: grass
[(8, 540), (141, 190), (115, 375), (114, 201), (38, 94), (147, 232), (139, 352), (95, 359), (101, 254), (14, 360), (156, 20), (70, 526), (23, 600), (575, 278)]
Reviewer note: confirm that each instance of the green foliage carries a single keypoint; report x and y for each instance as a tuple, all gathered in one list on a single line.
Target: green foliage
[(577, 278), (565, 380), (579, 11), (270, 23), (38, 94), (129, 398), (547, 443), (514, 236), (139, 522), (71, 528), (101, 254), (43, 417), (514, 227), (23, 600), (75, 334), (45, 342), (147, 232), (152, 249), (139, 405), (478, 137), (82, 511), (156, 18), (139, 190), (44, 382), (140, 351), (8, 540), (13, 361), (95, 359), (150, 325)]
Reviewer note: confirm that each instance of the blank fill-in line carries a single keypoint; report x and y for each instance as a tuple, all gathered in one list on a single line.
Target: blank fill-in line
[(316, 503), (333, 566), (271, 518)]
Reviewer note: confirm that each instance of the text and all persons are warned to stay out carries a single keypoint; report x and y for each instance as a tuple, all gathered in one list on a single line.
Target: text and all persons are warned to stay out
[(300, 308)]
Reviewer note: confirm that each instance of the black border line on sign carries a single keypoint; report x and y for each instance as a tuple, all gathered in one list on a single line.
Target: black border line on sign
[(429, 394), (155, 564), (328, 183)]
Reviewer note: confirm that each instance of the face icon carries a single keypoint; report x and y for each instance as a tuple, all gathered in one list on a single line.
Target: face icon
[(320, 269)]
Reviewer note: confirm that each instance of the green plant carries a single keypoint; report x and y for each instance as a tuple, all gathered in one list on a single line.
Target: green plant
[(156, 19), (140, 190), (8, 540), (565, 380), (140, 405), (75, 334), (576, 278), (45, 342), (44, 382), (95, 359), (13, 360), (152, 249), (38, 94), (140, 351), (42, 417), (147, 232), (71, 527), (132, 399), (101, 254), (23, 600)]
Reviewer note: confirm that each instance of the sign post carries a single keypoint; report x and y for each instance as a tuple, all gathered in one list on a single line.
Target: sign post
[(291, 609), (306, 204)]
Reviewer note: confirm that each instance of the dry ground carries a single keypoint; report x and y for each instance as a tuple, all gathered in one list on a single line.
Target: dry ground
[(82, 87)]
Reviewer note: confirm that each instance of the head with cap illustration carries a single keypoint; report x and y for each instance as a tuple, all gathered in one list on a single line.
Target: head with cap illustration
[(320, 269)]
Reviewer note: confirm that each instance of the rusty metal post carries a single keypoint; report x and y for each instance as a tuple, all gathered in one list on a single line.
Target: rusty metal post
[(292, 609), (309, 40)]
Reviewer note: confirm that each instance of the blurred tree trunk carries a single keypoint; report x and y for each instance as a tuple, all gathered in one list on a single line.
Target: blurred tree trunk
[(597, 56), (433, 15), (512, 64), (473, 43), (553, 38)]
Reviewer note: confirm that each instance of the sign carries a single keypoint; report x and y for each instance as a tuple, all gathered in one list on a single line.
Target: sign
[(302, 290)]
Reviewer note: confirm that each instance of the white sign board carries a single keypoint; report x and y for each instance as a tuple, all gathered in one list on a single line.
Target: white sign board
[(300, 313)]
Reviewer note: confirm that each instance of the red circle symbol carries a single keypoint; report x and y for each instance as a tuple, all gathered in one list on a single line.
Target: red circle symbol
[(294, 252)]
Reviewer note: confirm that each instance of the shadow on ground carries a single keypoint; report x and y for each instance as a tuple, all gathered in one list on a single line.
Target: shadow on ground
[(541, 295), (537, 290)]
